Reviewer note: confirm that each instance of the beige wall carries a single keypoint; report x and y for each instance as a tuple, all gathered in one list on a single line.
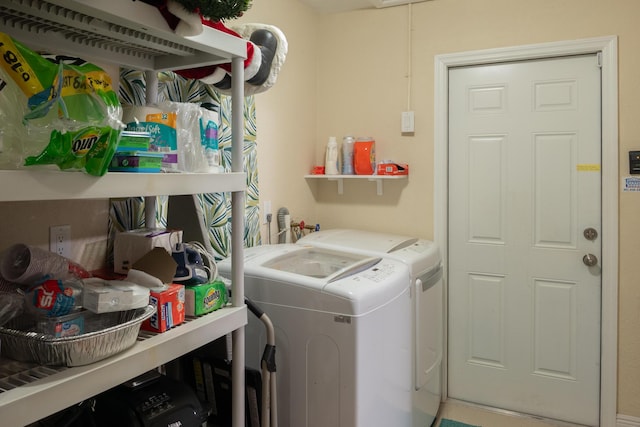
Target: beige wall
[(352, 73), (286, 113)]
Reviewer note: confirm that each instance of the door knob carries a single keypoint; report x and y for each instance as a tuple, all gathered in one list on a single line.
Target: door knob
[(590, 260)]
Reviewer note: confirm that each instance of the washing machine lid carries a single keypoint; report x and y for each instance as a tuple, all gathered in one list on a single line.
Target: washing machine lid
[(419, 254), (321, 263), (320, 279), (359, 239)]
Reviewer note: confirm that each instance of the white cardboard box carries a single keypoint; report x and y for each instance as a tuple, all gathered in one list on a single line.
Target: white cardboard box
[(130, 246)]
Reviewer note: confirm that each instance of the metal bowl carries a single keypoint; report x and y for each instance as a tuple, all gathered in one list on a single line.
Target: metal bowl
[(76, 350)]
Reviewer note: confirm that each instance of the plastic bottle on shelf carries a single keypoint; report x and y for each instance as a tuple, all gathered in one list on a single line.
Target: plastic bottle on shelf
[(364, 156), (347, 155), (331, 161), (209, 138)]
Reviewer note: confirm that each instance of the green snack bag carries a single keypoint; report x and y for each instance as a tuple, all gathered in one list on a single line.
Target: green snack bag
[(90, 149)]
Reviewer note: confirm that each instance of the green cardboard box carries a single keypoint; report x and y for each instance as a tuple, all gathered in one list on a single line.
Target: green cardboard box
[(205, 298)]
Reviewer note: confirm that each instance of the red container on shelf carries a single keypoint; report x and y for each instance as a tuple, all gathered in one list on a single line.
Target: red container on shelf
[(364, 156), (317, 170)]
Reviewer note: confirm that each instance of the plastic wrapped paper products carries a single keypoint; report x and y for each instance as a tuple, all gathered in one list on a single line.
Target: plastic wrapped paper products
[(70, 111)]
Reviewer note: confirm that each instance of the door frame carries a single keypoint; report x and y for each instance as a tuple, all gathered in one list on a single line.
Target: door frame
[(607, 48)]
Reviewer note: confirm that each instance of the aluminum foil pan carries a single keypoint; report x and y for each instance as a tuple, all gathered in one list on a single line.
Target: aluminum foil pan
[(76, 350)]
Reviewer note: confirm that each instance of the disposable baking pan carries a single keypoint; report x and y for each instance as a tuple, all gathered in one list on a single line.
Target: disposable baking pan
[(75, 350)]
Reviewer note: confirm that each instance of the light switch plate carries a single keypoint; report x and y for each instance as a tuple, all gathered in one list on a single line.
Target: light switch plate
[(407, 121)]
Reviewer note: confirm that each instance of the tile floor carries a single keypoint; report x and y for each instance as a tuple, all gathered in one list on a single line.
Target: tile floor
[(487, 417)]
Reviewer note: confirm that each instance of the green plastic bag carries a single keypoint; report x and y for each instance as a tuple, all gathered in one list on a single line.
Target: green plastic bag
[(90, 149), (72, 100)]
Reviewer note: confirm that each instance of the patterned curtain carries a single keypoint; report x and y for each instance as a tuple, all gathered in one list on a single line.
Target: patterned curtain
[(128, 214)]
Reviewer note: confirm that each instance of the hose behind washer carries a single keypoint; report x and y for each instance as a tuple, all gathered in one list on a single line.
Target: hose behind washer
[(282, 225)]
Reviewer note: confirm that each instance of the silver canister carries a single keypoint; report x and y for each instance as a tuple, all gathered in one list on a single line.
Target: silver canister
[(347, 155)]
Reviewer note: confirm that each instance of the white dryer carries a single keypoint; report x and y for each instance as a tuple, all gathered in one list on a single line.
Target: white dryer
[(343, 334), (425, 266)]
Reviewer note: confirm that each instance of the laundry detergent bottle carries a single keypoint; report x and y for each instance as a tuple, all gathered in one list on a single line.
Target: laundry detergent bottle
[(332, 160), (347, 155), (364, 156)]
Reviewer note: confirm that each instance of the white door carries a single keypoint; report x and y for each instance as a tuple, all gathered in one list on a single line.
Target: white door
[(524, 185)]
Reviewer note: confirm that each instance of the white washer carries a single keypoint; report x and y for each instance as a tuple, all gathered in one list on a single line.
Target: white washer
[(425, 265), (343, 334)]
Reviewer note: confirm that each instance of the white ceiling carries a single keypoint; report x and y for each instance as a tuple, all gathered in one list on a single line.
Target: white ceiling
[(333, 6)]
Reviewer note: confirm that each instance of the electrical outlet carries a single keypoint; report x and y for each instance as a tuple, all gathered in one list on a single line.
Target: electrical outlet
[(266, 210), (60, 240)]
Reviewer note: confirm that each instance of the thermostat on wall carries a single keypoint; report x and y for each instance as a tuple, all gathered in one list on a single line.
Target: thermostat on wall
[(634, 162)]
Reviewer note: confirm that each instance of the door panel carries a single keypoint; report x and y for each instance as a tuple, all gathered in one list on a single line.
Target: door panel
[(524, 182)]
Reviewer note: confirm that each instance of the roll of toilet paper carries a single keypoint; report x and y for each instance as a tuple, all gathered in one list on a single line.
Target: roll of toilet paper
[(161, 124), (137, 113)]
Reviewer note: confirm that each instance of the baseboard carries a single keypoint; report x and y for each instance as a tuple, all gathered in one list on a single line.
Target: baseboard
[(627, 421)]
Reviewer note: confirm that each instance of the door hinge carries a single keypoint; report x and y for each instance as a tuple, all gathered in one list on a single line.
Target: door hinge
[(599, 59)]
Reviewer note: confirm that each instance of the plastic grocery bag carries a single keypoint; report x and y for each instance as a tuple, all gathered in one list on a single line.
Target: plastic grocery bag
[(72, 100)]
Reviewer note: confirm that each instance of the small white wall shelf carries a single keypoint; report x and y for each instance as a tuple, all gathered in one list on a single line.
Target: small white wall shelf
[(378, 179)]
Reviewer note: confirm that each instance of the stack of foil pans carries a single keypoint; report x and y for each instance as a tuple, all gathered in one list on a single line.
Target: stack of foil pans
[(75, 350)]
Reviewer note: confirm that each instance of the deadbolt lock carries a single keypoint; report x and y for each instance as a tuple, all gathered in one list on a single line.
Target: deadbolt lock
[(590, 233)]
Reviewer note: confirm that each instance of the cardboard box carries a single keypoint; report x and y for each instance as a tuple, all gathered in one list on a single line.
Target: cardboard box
[(393, 169), (134, 141), (136, 161), (169, 309), (159, 264), (130, 246), (204, 298)]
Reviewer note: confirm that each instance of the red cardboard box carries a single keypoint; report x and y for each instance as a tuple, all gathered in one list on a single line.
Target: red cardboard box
[(169, 309), (393, 169)]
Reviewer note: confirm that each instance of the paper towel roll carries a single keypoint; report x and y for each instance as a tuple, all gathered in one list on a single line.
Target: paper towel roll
[(137, 113)]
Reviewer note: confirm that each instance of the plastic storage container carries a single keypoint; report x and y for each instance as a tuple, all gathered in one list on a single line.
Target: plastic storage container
[(364, 156), (69, 325)]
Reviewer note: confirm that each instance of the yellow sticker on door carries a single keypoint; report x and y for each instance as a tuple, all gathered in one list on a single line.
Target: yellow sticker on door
[(587, 167)]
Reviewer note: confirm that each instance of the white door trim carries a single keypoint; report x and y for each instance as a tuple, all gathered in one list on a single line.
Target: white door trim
[(608, 47)]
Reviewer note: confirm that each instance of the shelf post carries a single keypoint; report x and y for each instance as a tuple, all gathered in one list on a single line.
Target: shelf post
[(151, 88), (237, 239)]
